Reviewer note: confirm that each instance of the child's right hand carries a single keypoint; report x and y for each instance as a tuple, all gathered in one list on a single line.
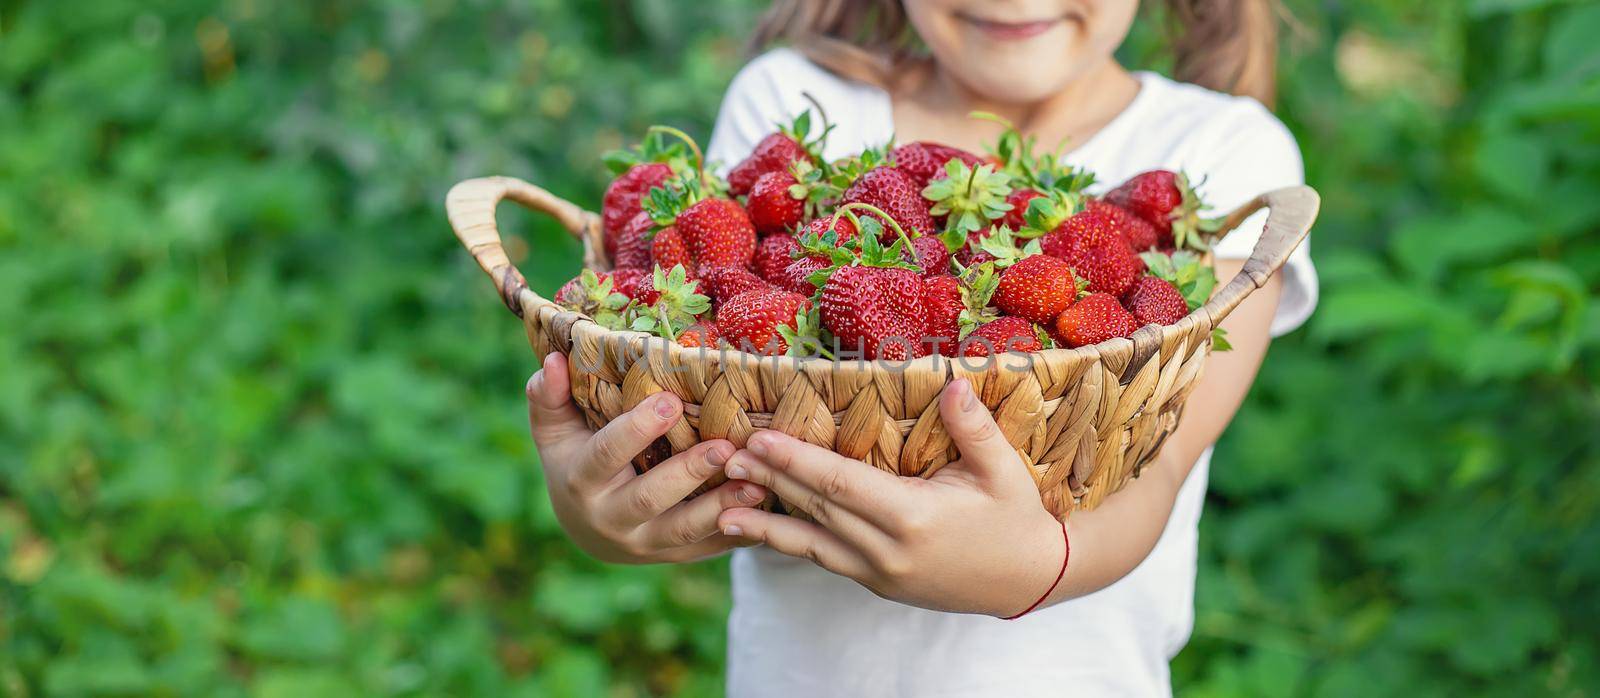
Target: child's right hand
[(610, 511)]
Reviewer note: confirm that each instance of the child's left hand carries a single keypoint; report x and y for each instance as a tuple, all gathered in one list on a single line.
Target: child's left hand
[(972, 538)]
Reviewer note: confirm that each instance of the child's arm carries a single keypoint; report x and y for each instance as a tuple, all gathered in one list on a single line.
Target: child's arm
[(974, 537), (609, 511)]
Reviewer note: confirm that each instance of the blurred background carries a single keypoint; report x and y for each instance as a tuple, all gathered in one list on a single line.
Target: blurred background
[(261, 420)]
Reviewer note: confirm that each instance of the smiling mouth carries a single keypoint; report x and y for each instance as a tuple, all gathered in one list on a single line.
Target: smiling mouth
[(1011, 31)]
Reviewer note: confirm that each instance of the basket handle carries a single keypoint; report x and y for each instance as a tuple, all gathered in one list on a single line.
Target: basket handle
[(1290, 213), (470, 206)]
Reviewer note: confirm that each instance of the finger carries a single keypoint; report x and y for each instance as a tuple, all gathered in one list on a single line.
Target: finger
[(802, 539), (551, 414), (613, 447), (850, 483), (984, 449), (645, 497), (862, 534), (714, 545), (694, 520)]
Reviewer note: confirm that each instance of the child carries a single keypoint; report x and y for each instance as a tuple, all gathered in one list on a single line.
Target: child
[(974, 541)]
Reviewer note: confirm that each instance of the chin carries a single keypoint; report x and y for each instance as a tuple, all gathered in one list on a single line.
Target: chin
[(1022, 83)]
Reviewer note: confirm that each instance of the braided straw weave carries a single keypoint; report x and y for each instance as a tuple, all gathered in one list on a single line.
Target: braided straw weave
[(1085, 420)]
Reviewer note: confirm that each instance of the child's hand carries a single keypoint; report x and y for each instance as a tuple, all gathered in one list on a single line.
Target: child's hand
[(972, 538), (611, 512)]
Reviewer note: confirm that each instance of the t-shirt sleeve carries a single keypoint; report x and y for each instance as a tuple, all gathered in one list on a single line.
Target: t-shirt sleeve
[(750, 110), (1254, 154)]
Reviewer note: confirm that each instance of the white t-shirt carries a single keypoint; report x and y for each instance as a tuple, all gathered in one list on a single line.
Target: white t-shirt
[(798, 630)]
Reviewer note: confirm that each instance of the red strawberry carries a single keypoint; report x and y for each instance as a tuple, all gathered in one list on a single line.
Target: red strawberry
[(1009, 333), (1110, 267), (1137, 231), (700, 334), (633, 244), (1094, 319), (843, 230), (750, 320), (1037, 288), (796, 277), (1081, 230), (773, 253), (875, 311), (667, 249), (1090, 242), (942, 303), (896, 194), (930, 254), (1018, 198), (717, 233), (1154, 301), (621, 201), (771, 207), (648, 294), (923, 161), (772, 154), (723, 283), (627, 281), (1164, 199)]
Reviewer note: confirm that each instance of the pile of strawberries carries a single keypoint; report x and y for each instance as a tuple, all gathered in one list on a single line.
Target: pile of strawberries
[(894, 253)]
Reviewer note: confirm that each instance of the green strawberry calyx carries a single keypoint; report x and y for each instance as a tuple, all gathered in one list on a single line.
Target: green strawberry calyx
[(1186, 271), (678, 307), (969, 197)]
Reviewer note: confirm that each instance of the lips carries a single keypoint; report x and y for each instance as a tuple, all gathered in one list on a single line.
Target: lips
[(1012, 31)]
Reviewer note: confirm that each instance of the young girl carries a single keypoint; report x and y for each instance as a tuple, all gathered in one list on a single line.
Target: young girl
[(898, 587)]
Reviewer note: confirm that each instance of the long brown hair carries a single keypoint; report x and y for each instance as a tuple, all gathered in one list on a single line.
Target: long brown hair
[(1226, 45)]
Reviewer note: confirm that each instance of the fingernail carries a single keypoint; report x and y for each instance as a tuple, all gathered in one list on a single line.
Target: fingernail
[(759, 444), (737, 472), (732, 530), (748, 494), (664, 407), (717, 456), (970, 402)]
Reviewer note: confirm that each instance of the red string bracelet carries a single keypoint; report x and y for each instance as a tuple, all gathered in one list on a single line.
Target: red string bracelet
[(1064, 555)]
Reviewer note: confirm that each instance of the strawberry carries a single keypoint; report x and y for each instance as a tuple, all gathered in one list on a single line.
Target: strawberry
[(896, 194), (700, 334), (1137, 231), (1154, 301), (796, 277), (772, 206), (1037, 288), (843, 229), (924, 161), (723, 283), (627, 281), (1091, 243), (773, 253), (1009, 333), (1110, 267), (777, 152), (621, 201), (930, 255), (1080, 230), (1018, 199), (633, 243), (668, 302), (1186, 271), (595, 295), (1095, 318), (1164, 199), (875, 311), (668, 250), (942, 305), (751, 321), (717, 233)]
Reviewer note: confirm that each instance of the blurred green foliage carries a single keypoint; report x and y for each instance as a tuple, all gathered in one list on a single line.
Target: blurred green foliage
[(261, 424)]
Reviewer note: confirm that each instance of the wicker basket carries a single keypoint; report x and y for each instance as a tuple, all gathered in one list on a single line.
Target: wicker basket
[(1084, 420)]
